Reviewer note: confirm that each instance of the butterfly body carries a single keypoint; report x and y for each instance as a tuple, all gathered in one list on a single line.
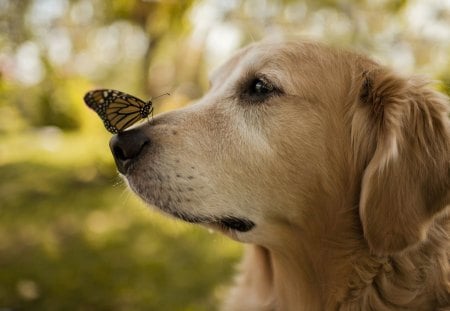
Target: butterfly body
[(118, 110)]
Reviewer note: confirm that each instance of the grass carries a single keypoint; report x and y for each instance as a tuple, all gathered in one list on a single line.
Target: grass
[(73, 238)]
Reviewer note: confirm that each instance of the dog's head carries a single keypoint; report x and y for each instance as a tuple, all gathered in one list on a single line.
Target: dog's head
[(288, 128)]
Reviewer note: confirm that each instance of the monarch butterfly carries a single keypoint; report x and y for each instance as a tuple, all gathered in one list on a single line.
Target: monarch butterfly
[(118, 110)]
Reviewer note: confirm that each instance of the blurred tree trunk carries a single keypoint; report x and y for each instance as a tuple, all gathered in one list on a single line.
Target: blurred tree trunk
[(151, 48)]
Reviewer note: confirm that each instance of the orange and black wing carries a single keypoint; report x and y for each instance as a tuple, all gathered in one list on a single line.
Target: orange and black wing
[(118, 110)]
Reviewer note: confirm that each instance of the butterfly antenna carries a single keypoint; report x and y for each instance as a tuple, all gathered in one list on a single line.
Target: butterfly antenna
[(161, 96)]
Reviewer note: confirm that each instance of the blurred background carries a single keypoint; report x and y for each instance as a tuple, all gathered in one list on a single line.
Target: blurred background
[(72, 237)]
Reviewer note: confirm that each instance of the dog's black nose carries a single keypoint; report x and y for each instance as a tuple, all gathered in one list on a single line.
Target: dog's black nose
[(126, 146)]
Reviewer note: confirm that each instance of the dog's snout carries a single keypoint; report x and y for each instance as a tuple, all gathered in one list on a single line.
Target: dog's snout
[(126, 146)]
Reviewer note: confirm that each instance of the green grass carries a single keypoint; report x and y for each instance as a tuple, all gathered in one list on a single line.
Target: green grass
[(73, 238)]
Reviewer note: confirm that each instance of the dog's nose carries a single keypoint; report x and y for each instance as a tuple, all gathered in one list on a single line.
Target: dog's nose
[(126, 146)]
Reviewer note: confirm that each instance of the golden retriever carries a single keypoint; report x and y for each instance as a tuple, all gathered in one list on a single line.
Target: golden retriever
[(334, 169)]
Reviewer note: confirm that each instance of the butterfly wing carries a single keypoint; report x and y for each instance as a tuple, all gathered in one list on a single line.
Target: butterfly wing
[(118, 110)]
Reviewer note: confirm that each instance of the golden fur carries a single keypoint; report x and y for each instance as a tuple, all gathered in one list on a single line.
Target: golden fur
[(343, 168)]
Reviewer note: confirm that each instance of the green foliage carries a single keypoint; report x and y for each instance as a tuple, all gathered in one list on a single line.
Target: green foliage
[(445, 86), (396, 5), (71, 241)]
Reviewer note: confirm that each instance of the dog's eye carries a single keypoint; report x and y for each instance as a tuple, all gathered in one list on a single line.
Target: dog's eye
[(258, 90), (260, 87)]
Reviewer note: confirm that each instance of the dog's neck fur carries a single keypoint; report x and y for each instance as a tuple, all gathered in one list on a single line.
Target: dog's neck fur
[(334, 271)]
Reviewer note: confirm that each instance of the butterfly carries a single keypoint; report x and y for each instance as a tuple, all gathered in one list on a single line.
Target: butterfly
[(118, 110)]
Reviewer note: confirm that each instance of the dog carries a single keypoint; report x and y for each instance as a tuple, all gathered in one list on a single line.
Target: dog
[(332, 168)]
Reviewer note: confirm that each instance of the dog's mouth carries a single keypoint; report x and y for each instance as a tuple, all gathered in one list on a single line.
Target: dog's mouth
[(222, 223), (228, 224)]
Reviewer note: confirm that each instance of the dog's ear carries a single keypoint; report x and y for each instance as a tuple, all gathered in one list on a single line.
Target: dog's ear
[(401, 137)]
